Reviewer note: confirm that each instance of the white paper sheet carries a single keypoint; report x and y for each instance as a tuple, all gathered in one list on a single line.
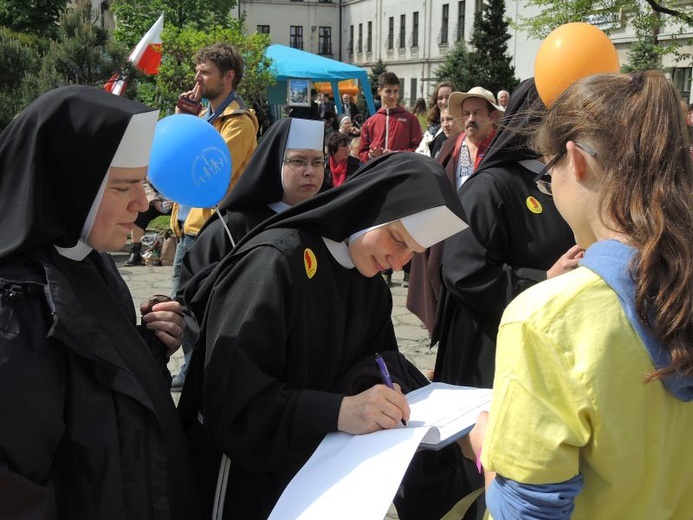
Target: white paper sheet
[(356, 476), (328, 486)]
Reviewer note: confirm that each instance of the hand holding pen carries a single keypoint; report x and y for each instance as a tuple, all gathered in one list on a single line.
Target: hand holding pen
[(385, 375), (374, 409)]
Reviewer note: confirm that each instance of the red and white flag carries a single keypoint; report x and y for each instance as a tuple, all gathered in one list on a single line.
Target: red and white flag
[(146, 56)]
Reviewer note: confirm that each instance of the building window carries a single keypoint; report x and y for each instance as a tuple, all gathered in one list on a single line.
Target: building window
[(369, 39), (325, 40), (359, 45), (325, 1), (681, 78), (296, 37), (461, 6), (351, 39), (478, 6), (402, 30), (444, 25), (415, 29), (391, 32), (263, 29), (412, 88)]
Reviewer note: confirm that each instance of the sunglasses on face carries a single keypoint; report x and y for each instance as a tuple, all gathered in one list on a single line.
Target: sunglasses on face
[(543, 178)]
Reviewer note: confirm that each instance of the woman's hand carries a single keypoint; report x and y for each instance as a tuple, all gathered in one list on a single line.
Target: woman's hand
[(567, 262), (378, 408), (165, 319)]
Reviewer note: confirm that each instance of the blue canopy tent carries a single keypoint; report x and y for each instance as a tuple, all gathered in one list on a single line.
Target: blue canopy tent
[(290, 63)]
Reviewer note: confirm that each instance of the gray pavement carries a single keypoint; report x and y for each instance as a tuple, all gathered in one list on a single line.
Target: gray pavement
[(412, 337)]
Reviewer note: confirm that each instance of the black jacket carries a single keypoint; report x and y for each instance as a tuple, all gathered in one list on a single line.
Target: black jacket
[(83, 427)]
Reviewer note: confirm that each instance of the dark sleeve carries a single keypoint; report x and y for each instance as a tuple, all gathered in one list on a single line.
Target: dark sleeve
[(254, 416), (124, 298), (32, 386), (476, 266)]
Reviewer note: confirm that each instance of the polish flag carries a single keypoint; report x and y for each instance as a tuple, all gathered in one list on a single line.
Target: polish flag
[(146, 56)]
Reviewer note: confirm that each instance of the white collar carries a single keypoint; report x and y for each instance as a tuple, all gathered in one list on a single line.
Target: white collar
[(278, 206), (340, 252)]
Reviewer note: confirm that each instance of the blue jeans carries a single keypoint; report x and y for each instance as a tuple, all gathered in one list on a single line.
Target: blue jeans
[(185, 243)]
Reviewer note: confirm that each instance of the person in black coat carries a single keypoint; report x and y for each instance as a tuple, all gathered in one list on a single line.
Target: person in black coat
[(89, 429), (516, 238)]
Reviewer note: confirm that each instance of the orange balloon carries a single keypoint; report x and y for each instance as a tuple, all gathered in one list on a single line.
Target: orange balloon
[(572, 51)]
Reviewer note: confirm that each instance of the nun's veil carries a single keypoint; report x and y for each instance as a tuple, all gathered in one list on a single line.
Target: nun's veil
[(261, 182), (386, 189), (54, 157)]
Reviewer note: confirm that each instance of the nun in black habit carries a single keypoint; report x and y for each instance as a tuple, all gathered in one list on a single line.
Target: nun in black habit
[(270, 184), (89, 429), (515, 239), (261, 192), (291, 320)]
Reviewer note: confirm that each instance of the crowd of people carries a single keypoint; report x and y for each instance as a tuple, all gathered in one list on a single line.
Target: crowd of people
[(547, 254)]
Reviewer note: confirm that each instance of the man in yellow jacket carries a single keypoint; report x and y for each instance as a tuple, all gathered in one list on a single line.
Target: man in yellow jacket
[(219, 70)]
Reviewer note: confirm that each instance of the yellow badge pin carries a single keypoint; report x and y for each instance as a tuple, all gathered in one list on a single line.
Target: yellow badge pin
[(534, 205), (310, 262)]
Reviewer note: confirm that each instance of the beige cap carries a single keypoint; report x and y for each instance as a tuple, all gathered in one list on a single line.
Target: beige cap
[(457, 98)]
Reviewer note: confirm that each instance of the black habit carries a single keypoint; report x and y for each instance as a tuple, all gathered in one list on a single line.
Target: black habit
[(515, 235), (287, 329), (89, 429)]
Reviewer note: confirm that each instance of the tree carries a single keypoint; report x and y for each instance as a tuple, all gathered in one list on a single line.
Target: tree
[(16, 60), (487, 64), (36, 17), (648, 18), (645, 53), (376, 71), (455, 68), (177, 71), (82, 54), (135, 17)]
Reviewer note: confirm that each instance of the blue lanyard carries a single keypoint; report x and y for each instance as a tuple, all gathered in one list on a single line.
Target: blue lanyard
[(211, 116)]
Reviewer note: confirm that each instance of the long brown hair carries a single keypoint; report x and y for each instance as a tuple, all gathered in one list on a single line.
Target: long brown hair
[(635, 124), (434, 111)]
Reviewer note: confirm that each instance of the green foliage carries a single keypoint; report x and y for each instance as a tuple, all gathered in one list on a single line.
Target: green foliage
[(376, 71), (82, 54), (554, 13), (16, 60), (487, 64), (38, 17), (648, 18), (177, 71), (645, 53), (135, 17), (455, 68)]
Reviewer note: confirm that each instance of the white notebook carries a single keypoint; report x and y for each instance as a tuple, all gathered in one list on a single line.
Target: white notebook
[(448, 411)]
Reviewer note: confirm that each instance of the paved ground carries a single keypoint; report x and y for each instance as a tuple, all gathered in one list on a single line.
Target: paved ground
[(412, 337)]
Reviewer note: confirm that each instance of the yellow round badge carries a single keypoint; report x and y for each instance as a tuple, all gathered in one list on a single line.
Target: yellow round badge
[(534, 205), (310, 262)]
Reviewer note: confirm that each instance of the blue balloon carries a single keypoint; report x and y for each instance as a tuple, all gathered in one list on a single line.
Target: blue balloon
[(190, 162)]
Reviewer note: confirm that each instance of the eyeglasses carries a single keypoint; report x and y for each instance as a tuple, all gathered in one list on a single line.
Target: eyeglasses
[(543, 178), (300, 164)]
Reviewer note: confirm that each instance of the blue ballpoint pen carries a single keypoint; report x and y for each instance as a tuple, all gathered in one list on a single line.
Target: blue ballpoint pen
[(385, 375)]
